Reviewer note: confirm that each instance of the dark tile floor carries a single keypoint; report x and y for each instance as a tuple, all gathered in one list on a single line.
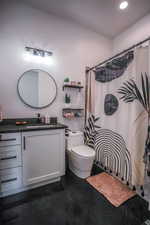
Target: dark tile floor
[(69, 202)]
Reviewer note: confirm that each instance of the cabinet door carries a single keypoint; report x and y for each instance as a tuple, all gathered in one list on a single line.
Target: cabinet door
[(43, 155)]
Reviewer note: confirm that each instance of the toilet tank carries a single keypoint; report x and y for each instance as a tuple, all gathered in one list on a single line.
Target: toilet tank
[(75, 139)]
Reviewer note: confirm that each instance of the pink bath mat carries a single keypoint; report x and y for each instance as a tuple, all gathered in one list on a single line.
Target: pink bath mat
[(115, 191)]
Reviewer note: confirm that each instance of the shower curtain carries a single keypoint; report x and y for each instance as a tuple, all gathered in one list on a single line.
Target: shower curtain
[(119, 135)]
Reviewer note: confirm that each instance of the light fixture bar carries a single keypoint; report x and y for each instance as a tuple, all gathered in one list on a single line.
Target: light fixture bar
[(38, 51)]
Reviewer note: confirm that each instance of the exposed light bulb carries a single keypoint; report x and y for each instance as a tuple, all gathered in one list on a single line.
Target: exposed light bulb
[(123, 5), (29, 57)]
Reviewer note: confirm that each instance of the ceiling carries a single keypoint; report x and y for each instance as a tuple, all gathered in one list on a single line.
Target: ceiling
[(101, 16)]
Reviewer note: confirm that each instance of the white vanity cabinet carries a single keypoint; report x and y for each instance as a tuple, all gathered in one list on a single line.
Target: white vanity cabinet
[(43, 156), (30, 159)]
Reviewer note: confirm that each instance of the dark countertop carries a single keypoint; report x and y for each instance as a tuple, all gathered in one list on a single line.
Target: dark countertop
[(12, 128)]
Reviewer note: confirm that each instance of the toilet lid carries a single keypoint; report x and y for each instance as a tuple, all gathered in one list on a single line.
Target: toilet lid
[(84, 150)]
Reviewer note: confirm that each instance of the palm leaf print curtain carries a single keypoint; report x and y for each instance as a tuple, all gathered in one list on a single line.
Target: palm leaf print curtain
[(119, 140)]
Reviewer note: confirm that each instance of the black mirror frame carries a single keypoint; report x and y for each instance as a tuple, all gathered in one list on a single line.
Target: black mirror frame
[(34, 107)]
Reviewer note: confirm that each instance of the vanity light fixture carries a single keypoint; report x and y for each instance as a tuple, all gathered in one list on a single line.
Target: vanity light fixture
[(123, 5), (37, 55), (39, 52)]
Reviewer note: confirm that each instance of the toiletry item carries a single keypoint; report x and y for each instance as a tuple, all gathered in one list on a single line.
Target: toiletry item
[(18, 123), (73, 83), (38, 117), (67, 98), (21, 122), (78, 114), (53, 120), (47, 119), (1, 114), (69, 115), (42, 119)]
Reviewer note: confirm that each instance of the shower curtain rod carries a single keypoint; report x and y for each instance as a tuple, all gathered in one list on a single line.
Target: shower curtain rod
[(126, 50)]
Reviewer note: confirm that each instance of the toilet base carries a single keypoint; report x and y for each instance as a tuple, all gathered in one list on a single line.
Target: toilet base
[(79, 173)]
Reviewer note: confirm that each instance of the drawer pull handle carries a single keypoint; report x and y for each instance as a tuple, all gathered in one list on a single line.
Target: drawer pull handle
[(11, 139), (11, 157), (9, 180), (24, 143)]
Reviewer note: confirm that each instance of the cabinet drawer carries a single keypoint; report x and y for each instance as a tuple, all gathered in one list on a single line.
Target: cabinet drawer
[(10, 179), (7, 139), (10, 156)]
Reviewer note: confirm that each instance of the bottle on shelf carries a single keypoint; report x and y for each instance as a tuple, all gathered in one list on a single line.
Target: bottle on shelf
[(47, 119)]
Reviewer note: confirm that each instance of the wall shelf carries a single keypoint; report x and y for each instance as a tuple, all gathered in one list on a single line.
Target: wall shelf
[(79, 87), (73, 117), (72, 109), (77, 112), (71, 113)]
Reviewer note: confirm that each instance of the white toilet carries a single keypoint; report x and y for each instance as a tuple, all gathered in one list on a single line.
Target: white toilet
[(80, 156)]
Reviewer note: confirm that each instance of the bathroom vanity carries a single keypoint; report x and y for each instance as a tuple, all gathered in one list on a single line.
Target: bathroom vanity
[(30, 156)]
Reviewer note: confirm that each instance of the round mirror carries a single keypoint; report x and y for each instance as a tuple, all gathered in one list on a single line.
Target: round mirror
[(37, 89)]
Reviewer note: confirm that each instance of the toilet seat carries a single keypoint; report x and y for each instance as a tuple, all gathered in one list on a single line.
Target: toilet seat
[(83, 151)]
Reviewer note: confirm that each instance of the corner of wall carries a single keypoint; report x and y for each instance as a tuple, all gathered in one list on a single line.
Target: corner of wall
[(136, 33)]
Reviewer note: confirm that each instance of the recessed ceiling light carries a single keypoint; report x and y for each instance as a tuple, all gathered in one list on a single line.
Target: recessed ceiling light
[(123, 5)]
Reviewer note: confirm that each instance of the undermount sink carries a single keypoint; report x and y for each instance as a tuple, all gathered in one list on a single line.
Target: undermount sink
[(40, 126)]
